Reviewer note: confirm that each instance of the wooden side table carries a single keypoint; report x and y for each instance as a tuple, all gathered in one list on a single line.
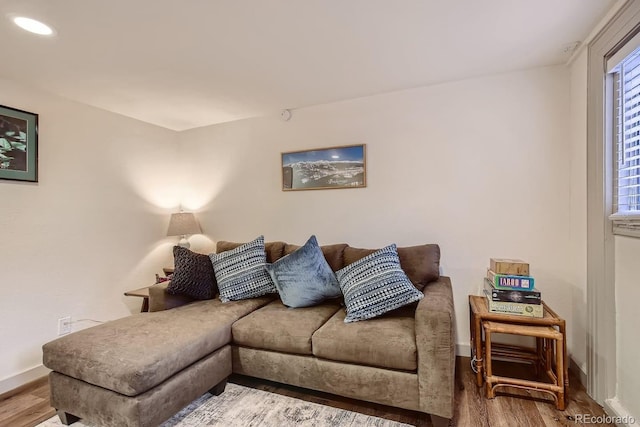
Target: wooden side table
[(546, 353), (142, 293), (479, 312)]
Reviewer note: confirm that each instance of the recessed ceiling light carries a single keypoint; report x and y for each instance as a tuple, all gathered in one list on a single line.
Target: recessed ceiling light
[(33, 26)]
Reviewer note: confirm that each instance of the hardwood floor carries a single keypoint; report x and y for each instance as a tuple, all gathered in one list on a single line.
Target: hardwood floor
[(30, 405)]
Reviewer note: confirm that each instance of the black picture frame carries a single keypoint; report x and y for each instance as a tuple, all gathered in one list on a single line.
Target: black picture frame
[(18, 145), (324, 168)]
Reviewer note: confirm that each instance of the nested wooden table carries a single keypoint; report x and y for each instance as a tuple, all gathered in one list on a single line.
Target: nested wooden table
[(554, 330), (144, 292)]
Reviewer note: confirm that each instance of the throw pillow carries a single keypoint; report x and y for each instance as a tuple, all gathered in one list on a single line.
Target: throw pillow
[(304, 278), (273, 249), (193, 275), (375, 284), (420, 263), (241, 273)]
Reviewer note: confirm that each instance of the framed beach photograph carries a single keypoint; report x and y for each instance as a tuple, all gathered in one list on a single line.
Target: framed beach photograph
[(18, 145), (324, 168)]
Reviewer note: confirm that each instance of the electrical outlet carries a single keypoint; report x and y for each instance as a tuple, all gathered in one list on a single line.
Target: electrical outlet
[(64, 325)]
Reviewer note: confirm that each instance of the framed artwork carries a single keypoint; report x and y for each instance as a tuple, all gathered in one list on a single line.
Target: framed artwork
[(324, 168), (18, 145)]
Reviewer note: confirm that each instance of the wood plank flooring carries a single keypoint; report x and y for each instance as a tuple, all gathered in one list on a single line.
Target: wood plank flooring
[(30, 406)]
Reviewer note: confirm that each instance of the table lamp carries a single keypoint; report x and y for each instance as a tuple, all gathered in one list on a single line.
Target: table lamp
[(183, 224)]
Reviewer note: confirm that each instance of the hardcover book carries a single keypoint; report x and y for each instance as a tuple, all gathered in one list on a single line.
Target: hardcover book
[(519, 309), (510, 282), (515, 267), (529, 297)]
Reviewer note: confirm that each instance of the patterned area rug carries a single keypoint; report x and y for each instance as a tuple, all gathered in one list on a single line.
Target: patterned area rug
[(244, 406)]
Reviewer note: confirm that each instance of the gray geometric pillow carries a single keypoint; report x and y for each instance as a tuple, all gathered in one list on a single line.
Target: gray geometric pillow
[(376, 284), (241, 273), (193, 275)]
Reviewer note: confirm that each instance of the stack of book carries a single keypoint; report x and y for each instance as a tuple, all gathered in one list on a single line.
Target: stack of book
[(511, 290)]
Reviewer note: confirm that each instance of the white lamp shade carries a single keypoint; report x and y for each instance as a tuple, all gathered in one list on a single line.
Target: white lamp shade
[(182, 224)]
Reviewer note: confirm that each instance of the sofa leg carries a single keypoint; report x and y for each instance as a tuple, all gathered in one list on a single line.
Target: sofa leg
[(218, 388), (439, 421), (67, 418)]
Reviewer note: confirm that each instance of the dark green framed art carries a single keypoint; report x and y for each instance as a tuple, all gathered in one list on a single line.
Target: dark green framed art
[(18, 145)]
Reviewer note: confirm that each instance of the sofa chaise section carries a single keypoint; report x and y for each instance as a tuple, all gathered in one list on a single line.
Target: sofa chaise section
[(141, 369)]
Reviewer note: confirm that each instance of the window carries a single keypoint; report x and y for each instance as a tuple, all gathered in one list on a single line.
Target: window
[(625, 77)]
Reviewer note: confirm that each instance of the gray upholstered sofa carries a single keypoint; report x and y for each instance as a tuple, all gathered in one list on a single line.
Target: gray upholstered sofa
[(140, 370)]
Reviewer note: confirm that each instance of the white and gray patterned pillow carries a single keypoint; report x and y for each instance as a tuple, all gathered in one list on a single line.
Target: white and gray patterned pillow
[(375, 284), (241, 273)]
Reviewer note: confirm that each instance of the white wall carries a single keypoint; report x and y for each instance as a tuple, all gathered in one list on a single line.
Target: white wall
[(578, 210), (627, 295), (479, 166), (91, 228), (628, 342)]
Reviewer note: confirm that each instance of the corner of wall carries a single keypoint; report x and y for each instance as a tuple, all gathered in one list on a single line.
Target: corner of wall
[(618, 414)]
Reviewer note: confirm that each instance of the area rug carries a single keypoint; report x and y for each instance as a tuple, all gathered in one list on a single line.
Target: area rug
[(244, 406)]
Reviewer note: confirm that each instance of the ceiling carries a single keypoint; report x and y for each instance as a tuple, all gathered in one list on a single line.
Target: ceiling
[(190, 63)]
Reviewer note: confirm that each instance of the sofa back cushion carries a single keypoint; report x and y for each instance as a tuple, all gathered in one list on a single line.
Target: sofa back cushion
[(334, 254), (420, 263)]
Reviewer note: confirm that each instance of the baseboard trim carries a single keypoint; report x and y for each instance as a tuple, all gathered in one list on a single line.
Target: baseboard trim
[(575, 368), (620, 416), (14, 384), (463, 350)]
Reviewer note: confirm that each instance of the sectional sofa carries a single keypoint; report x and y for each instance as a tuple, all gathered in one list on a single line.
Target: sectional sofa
[(142, 369)]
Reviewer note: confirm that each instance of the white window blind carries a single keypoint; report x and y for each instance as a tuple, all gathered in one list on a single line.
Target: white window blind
[(626, 117)]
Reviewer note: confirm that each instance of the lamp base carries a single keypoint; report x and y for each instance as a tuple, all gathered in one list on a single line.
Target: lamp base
[(184, 242)]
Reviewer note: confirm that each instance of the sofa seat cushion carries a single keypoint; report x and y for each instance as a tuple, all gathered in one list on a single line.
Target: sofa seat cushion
[(388, 341), (134, 354), (279, 328)]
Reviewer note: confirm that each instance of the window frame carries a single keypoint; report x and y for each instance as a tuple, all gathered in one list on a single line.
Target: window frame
[(601, 305), (625, 222)]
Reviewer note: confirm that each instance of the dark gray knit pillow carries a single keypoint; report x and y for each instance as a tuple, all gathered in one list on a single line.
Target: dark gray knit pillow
[(193, 275)]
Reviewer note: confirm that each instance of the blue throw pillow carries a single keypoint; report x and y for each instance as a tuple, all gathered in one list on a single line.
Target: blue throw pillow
[(303, 278), (240, 272), (376, 284)]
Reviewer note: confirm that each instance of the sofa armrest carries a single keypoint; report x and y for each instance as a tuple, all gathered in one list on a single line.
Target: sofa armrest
[(435, 342), (160, 299)]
